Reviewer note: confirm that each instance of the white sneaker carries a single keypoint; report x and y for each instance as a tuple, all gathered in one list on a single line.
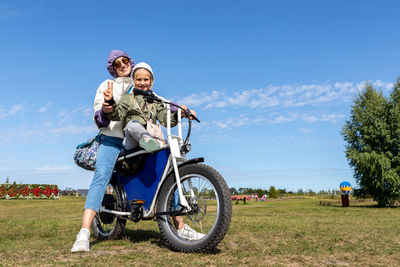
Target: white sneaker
[(80, 245), (188, 233), (149, 143), (82, 241)]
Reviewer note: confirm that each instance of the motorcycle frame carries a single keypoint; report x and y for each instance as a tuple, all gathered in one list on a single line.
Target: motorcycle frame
[(175, 142)]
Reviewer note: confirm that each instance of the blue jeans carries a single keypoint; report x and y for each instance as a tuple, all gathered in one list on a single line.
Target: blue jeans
[(107, 155)]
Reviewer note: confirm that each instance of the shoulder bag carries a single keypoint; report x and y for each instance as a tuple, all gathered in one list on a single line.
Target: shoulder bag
[(85, 154)]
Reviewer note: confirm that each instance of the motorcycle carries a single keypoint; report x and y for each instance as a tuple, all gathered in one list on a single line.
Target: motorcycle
[(163, 185)]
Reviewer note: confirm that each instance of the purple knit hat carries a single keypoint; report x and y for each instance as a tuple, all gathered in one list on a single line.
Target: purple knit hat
[(112, 57)]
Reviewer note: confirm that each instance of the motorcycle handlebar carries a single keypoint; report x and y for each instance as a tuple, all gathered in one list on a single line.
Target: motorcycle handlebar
[(187, 112)]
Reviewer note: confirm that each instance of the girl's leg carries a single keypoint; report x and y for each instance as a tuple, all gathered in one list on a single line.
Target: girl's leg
[(133, 132), (184, 230), (136, 134), (178, 220)]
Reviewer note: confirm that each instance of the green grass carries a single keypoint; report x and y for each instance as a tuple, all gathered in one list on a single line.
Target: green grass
[(287, 232)]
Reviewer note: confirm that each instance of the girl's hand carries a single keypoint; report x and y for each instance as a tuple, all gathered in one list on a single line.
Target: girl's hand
[(191, 111), (107, 108), (108, 93)]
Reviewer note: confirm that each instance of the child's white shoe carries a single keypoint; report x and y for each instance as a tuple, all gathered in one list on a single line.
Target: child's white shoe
[(149, 143), (188, 233)]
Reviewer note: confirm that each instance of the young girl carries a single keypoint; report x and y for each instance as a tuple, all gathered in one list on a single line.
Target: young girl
[(136, 111)]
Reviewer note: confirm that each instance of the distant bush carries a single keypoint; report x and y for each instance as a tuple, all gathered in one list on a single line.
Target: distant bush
[(67, 192), (28, 191)]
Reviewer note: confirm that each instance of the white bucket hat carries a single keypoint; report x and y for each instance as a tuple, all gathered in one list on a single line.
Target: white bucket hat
[(142, 65)]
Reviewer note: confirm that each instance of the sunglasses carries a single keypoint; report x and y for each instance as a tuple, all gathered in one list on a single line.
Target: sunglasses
[(118, 63)]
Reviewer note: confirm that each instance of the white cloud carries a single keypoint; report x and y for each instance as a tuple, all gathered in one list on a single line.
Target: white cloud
[(47, 133), (72, 129), (332, 117), (383, 85), (284, 96), (8, 12), (305, 130), (45, 108), (54, 168), (16, 109), (196, 100), (244, 120), (282, 118), (66, 115), (233, 122), (88, 112)]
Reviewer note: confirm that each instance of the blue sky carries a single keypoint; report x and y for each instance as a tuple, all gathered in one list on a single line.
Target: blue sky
[(271, 81)]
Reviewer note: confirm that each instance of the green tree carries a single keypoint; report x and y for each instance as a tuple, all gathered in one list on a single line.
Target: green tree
[(272, 192), (283, 192), (260, 192), (310, 192), (233, 191), (300, 192), (373, 139)]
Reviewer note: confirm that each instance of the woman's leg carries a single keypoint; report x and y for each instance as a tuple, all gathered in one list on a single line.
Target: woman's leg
[(107, 154), (88, 216)]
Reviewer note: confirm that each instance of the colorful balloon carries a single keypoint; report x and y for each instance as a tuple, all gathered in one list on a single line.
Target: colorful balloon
[(345, 187)]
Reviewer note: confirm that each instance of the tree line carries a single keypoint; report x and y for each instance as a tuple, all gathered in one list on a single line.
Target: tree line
[(273, 192)]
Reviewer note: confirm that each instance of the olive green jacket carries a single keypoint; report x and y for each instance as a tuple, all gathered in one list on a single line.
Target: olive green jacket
[(133, 107)]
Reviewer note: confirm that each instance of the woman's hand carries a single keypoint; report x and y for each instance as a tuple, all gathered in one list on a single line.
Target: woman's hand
[(108, 95), (191, 111)]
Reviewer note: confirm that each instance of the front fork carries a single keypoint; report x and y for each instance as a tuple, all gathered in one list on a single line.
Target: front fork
[(182, 200)]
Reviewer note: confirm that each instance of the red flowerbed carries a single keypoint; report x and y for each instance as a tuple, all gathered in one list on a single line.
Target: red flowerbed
[(29, 191)]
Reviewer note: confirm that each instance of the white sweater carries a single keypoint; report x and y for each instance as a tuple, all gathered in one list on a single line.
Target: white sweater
[(120, 86)]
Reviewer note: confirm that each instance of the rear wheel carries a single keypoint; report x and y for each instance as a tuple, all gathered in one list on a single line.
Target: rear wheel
[(211, 209), (108, 226)]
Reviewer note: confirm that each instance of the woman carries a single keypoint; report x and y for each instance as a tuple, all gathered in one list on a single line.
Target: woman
[(120, 65)]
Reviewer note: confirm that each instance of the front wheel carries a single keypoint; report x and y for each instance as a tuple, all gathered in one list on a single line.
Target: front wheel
[(211, 209), (106, 226)]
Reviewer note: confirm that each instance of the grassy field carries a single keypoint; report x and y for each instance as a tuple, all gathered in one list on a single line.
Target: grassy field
[(280, 233)]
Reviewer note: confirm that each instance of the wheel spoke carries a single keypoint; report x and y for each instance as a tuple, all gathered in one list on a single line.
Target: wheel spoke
[(200, 220), (208, 197), (105, 223)]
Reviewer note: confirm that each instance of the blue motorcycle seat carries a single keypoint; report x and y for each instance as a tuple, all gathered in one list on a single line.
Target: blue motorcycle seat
[(124, 152)]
